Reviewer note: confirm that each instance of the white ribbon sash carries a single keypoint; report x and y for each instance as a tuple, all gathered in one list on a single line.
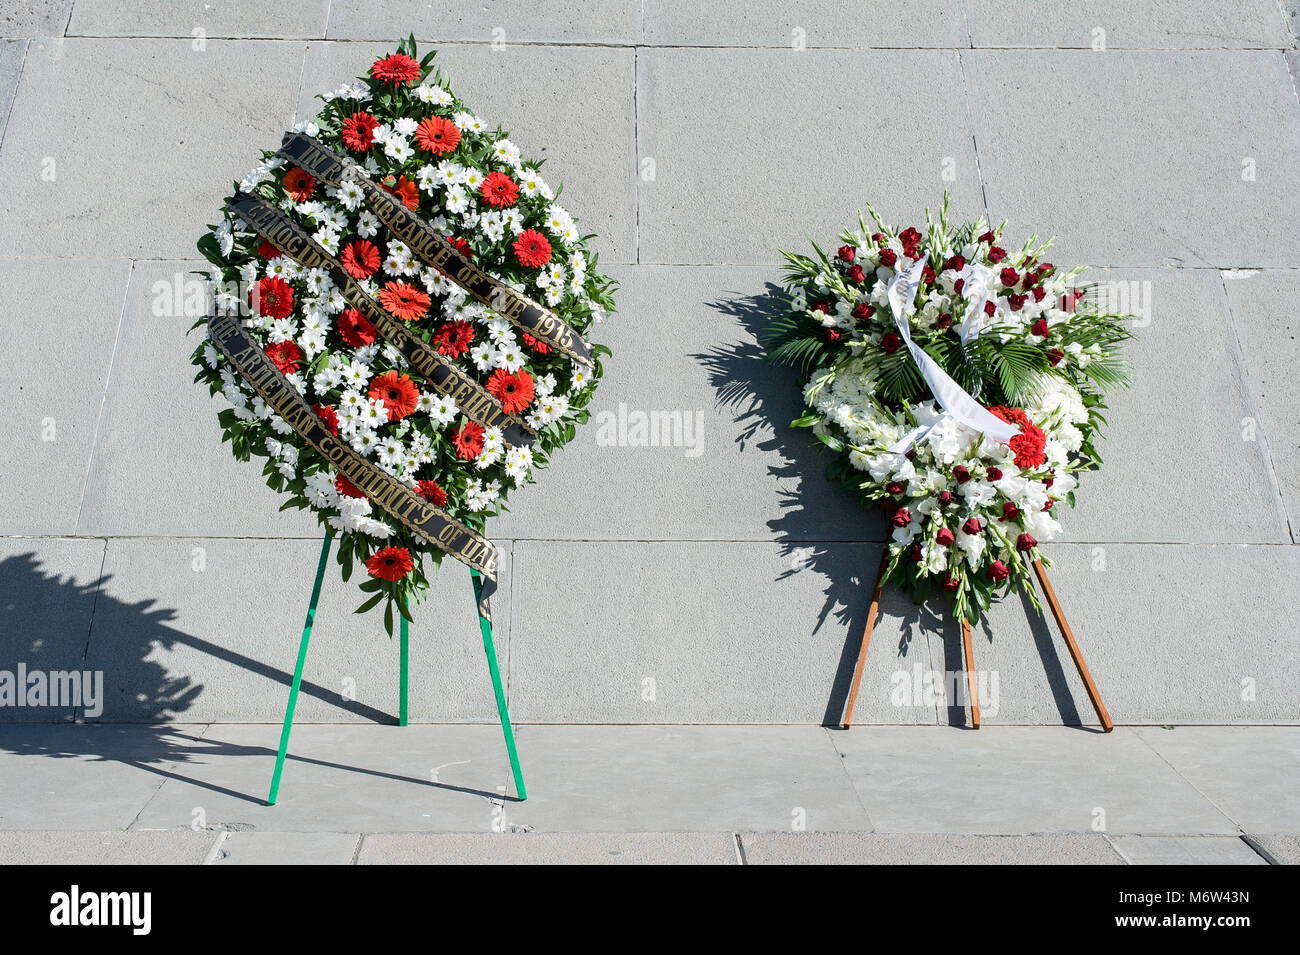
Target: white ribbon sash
[(954, 400)]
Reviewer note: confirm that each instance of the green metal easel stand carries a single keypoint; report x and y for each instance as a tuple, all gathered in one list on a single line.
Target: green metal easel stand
[(489, 648)]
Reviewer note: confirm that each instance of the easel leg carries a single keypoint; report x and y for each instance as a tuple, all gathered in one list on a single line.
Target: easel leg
[(872, 612), (971, 683), (297, 670), (1093, 694), (485, 625), (405, 654)]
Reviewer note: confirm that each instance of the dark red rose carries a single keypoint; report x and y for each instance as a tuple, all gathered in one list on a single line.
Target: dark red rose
[(862, 310), (1026, 542), (987, 237), (1054, 355), (949, 584), (915, 554), (888, 257), (944, 537), (1016, 301), (1047, 268), (954, 262), (958, 285), (1039, 328), (972, 526), (945, 498), (902, 517), (855, 274), (990, 308), (910, 239), (846, 253), (927, 275), (998, 571), (997, 254), (878, 238), (1049, 481), (1038, 292), (910, 454), (944, 321), (1048, 505), (1009, 277), (891, 342), (961, 474), (894, 487), (1009, 512), (995, 474), (822, 307), (833, 336)]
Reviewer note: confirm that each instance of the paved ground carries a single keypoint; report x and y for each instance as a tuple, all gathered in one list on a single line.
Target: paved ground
[(1159, 140), (717, 794)]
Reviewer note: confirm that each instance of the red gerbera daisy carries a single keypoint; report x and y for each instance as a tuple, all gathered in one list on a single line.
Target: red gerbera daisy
[(499, 190), (437, 135), (267, 251), (391, 563), (359, 131), (430, 491), (468, 440), (346, 487), (287, 356), (454, 338), (531, 249), (1029, 443), (397, 392), (327, 414), (536, 344), (360, 259), (461, 246), (273, 297), (396, 68), (355, 328), (405, 301), (405, 190), (513, 391), (299, 184)]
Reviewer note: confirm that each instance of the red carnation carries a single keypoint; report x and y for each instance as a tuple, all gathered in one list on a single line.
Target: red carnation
[(513, 391), (360, 259), (431, 492), (355, 329), (396, 68), (359, 131), (468, 440), (846, 253), (998, 571), (944, 537), (454, 338), (273, 297), (891, 342), (328, 415), (391, 563), (1030, 443), (499, 190), (346, 487), (536, 344), (531, 249), (286, 355)]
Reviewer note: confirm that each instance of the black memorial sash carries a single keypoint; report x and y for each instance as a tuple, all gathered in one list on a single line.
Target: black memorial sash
[(424, 519), (444, 376), (521, 311)]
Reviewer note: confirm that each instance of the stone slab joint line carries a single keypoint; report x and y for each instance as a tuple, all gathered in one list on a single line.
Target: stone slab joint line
[(1161, 756)]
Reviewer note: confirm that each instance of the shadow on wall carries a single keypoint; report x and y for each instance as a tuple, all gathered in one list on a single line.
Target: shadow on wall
[(762, 396), (46, 627)]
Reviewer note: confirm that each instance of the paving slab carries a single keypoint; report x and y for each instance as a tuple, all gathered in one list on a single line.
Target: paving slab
[(549, 848), (343, 779), (572, 106), (1270, 339), (820, 24), (28, 18), (1020, 780), (11, 67), (502, 22), (1186, 850), (692, 424), (182, 123), (1125, 24), (879, 848), (156, 422), (1092, 169), (54, 368), (751, 160), (1284, 847), (209, 629), (686, 778), (88, 778), (200, 19), (706, 632), (104, 848), (1171, 633), (1253, 776), (286, 848), (47, 596)]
